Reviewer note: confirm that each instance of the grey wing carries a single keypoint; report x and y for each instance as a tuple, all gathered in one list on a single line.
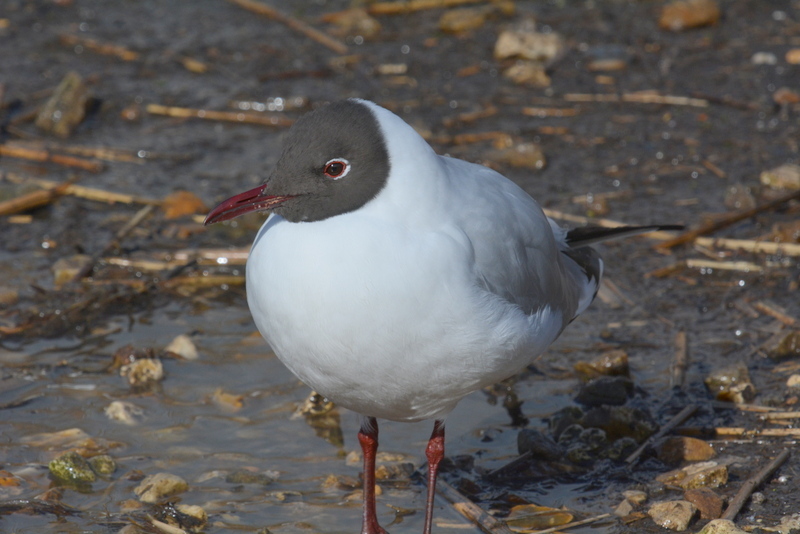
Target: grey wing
[(520, 254)]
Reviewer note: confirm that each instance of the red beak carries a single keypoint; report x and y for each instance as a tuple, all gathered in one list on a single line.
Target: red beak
[(252, 200)]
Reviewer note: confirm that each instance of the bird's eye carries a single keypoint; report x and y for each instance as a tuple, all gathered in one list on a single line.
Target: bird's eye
[(337, 168)]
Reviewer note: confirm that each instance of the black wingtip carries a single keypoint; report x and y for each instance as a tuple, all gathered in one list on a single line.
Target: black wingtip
[(587, 235)]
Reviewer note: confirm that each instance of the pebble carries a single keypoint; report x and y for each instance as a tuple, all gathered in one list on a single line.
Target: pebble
[(521, 155), (621, 421), (678, 449), (707, 501), (183, 346), (783, 177), (532, 73), (66, 108), (72, 467), (605, 390), (524, 42), (188, 517), (103, 464), (8, 296), (65, 269), (624, 508), (354, 22), (787, 347), (124, 412), (731, 384), (764, 58), (610, 363), (721, 526), (244, 476), (159, 486), (181, 203), (143, 373), (637, 497), (698, 475), (785, 96), (674, 515), (683, 14), (540, 445), (793, 56)]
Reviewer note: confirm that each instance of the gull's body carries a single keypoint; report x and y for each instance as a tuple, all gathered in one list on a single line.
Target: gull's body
[(395, 281)]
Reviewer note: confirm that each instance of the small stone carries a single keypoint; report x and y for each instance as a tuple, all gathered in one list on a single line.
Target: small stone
[(521, 155), (143, 373), (681, 448), (783, 177), (793, 56), (540, 445), (764, 58), (605, 390), (462, 20), (530, 73), (621, 449), (637, 497), (699, 475), (188, 517), (707, 501), (731, 384), (621, 421), (674, 515), (786, 347), (624, 508), (721, 526), (394, 471), (610, 363), (682, 14), (159, 486), (65, 269), (66, 108), (785, 96), (182, 203), (124, 412), (564, 418), (524, 42), (8, 296), (72, 467), (757, 498), (183, 346), (103, 464), (739, 197)]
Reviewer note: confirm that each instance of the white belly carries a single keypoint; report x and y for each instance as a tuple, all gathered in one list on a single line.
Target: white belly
[(383, 320)]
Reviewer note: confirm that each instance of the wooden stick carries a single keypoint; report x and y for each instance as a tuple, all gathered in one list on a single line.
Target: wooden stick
[(638, 98), (549, 112), (763, 432), (34, 199), (89, 193), (778, 312), (48, 157), (727, 220), (262, 119), (781, 415), (409, 6), (752, 483), (682, 416), (751, 245), (130, 225), (745, 266), (101, 153), (107, 49), (470, 510), (681, 362), (293, 23)]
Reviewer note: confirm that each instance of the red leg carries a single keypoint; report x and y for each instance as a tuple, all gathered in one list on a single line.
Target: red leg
[(368, 438), (435, 453)]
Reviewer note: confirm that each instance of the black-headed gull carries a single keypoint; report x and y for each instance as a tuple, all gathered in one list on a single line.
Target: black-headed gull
[(395, 281)]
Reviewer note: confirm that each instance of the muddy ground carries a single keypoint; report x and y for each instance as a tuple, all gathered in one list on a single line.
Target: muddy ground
[(230, 411)]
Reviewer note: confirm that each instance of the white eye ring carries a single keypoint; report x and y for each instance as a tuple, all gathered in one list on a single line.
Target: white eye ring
[(342, 174)]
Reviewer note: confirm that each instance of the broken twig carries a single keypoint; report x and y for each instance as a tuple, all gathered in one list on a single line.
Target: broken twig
[(727, 220), (293, 23), (470, 510), (681, 362), (229, 116), (45, 156), (752, 483)]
